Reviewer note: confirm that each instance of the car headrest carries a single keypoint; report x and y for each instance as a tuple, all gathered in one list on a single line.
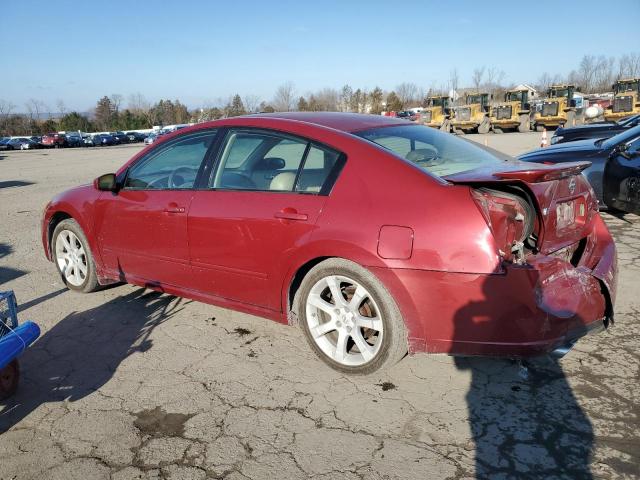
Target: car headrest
[(283, 182), (272, 163)]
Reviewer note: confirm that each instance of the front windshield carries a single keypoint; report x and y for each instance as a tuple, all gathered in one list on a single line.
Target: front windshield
[(437, 102), (514, 96), (627, 87), (435, 152), (559, 92), (623, 137)]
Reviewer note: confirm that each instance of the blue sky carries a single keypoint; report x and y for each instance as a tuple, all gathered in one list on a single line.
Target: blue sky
[(200, 51)]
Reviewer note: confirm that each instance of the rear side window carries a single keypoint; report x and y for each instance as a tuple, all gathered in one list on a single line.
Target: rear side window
[(433, 151), (271, 161)]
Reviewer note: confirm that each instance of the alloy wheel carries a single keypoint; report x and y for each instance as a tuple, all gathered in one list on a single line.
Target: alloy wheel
[(344, 320), (71, 258)]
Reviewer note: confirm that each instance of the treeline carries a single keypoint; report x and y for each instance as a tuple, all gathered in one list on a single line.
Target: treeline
[(594, 74)]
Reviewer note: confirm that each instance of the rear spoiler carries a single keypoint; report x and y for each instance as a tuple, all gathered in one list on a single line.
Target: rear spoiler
[(535, 175), (523, 171)]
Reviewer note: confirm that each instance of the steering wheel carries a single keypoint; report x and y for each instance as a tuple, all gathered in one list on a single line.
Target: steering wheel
[(177, 178)]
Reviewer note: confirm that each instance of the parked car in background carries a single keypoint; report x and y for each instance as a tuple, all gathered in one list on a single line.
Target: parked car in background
[(267, 214), (20, 143), (37, 139), (54, 140), (598, 152), (621, 179), (87, 140), (3, 143), (29, 144), (120, 137), (136, 136), (74, 139), (152, 137), (594, 130), (103, 140)]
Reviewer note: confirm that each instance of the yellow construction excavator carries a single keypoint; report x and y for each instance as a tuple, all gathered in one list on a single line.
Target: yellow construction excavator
[(626, 101), (513, 113), (473, 116), (437, 113), (558, 109)]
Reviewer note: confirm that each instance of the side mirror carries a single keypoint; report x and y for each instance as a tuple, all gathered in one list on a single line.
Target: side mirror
[(106, 182)]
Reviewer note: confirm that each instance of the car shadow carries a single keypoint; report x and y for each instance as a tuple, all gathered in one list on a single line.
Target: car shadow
[(81, 352), (14, 183), (524, 418), (7, 273)]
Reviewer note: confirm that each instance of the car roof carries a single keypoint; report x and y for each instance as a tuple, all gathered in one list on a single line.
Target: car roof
[(346, 122)]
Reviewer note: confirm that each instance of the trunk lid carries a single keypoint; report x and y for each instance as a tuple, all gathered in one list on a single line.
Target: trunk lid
[(564, 201)]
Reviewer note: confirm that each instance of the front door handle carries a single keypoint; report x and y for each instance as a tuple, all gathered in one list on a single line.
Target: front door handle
[(173, 208), (291, 214)]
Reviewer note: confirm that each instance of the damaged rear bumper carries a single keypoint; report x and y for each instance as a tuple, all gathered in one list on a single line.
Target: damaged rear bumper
[(537, 308)]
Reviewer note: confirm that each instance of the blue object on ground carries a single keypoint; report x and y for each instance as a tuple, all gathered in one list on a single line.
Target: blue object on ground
[(14, 338), (16, 342)]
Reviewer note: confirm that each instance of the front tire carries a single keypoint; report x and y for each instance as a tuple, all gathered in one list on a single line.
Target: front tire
[(73, 257), (349, 318)]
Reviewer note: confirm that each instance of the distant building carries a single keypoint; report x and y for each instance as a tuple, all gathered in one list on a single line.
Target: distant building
[(533, 92)]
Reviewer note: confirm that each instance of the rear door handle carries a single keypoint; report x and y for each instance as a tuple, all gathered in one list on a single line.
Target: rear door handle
[(173, 208), (291, 214)]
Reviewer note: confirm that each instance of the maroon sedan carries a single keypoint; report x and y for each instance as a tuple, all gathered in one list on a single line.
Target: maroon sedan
[(378, 236)]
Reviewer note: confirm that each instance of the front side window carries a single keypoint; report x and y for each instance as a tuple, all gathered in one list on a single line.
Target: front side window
[(433, 151), (269, 161), (171, 166)]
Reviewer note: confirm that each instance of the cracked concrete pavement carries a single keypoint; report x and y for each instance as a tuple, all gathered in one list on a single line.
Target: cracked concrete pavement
[(132, 384)]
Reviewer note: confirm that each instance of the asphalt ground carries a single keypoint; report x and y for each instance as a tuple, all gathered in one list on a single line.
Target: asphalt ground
[(128, 383)]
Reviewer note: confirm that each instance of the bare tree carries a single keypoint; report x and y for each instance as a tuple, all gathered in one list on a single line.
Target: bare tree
[(494, 78), (62, 109), (35, 108), (604, 75), (251, 103), (327, 99), (408, 93), (5, 112), (138, 103), (284, 98), (629, 66), (478, 76), (116, 101), (6, 107)]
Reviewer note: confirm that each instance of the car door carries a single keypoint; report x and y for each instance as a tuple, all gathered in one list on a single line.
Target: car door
[(142, 228), (263, 199), (622, 178)]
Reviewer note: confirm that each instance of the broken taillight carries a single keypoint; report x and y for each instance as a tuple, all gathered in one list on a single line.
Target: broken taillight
[(510, 218)]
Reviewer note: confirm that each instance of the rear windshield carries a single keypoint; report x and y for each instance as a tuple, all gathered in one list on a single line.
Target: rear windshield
[(438, 153)]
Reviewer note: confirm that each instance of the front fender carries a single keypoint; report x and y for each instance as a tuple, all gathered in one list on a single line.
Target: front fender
[(77, 203)]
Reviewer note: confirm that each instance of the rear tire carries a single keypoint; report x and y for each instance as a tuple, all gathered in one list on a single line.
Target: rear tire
[(361, 331), (539, 128), (446, 126), (73, 258), (9, 379)]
